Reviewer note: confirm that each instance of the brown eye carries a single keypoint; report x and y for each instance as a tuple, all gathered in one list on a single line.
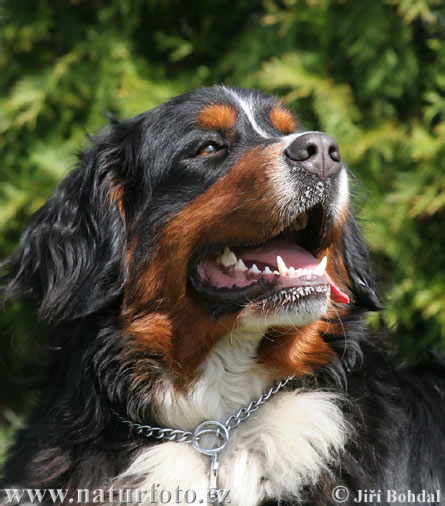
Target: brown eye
[(209, 149)]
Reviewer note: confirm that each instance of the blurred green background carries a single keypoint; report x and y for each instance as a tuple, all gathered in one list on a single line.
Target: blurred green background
[(369, 73)]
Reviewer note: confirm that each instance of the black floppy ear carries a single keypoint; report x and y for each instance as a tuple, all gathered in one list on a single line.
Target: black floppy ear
[(359, 267), (71, 256)]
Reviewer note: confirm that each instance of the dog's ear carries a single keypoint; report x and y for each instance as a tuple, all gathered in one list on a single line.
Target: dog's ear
[(359, 267), (71, 256)]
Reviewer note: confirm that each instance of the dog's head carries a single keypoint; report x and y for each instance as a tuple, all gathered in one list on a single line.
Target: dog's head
[(213, 212)]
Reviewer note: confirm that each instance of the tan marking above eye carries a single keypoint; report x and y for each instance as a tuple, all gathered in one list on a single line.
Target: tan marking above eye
[(282, 119), (217, 117)]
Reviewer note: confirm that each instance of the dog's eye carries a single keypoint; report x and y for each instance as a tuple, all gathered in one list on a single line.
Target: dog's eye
[(209, 149)]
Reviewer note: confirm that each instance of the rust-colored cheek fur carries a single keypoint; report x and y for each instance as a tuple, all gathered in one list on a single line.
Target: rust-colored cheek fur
[(288, 351)]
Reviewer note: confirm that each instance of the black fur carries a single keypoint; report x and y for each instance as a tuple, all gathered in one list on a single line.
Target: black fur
[(71, 261)]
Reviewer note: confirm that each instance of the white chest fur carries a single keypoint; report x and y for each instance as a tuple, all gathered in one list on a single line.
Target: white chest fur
[(282, 447)]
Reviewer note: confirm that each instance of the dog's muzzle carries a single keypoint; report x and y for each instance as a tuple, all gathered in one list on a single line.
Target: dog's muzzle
[(316, 153)]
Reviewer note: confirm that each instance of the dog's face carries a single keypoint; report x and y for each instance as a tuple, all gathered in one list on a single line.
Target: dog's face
[(213, 212), (248, 207)]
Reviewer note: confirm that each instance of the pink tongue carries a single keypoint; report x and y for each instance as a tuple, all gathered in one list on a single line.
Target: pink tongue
[(293, 256)]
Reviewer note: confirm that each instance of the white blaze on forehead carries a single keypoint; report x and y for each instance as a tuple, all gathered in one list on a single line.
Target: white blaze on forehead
[(247, 105)]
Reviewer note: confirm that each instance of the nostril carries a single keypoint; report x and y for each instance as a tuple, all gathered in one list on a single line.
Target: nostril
[(312, 150), (302, 151), (334, 153)]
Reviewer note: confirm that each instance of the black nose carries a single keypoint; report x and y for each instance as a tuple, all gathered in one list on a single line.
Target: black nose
[(315, 152)]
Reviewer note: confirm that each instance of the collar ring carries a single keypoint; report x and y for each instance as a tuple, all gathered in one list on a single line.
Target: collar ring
[(210, 427)]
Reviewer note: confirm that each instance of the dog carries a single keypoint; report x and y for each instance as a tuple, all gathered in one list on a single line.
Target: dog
[(203, 286)]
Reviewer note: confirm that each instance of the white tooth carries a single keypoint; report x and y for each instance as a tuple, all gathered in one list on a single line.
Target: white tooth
[(254, 269), (228, 258), (276, 272), (291, 271), (299, 271), (282, 267), (240, 266), (267, 271), (321, 267)]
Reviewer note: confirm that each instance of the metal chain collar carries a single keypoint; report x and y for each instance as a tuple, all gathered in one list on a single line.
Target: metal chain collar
[(183, 436), (219, 430)]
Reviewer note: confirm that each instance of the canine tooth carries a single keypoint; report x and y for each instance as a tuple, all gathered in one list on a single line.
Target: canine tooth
[(254, 269), (267, 270), (282, 267), (321, 267), (240, 266), (228, 257)]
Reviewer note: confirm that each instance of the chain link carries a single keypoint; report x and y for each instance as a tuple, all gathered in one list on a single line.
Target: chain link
[(157, 432), (183, 436)]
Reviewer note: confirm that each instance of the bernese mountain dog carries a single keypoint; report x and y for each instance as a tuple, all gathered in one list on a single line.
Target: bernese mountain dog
[(203, 288)]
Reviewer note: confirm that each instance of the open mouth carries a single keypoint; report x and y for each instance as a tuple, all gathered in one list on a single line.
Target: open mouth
[(283, 270)]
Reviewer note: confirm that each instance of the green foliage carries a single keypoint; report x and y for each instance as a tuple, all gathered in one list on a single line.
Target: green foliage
[(375, 83), (13, 422), (371, 74)]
